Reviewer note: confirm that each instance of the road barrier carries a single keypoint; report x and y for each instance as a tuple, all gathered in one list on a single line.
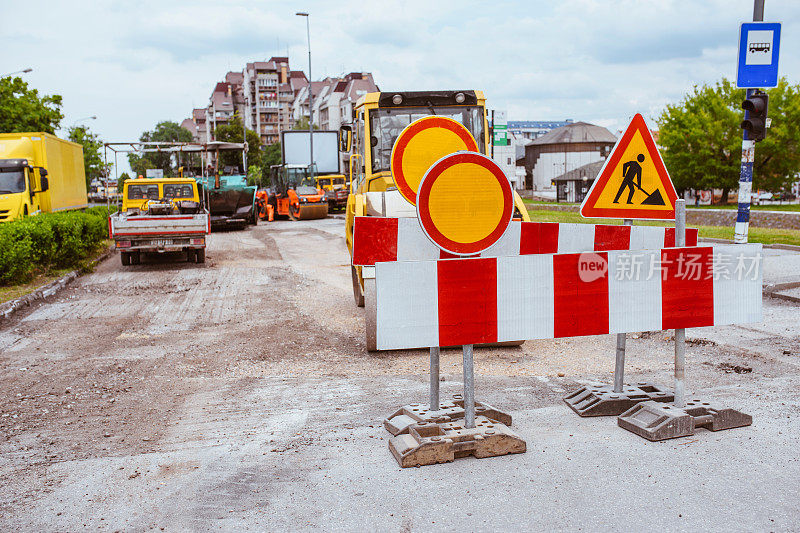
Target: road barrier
[(497, 299), (463, 273), (380, 239)]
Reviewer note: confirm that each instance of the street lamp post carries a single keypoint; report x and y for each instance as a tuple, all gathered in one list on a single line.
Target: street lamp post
[(93, 117), (24, 71), (310, 92)]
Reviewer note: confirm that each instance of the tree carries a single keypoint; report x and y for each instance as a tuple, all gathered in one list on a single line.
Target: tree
[(302, 124), (701, 138), (232, 133), (271, 155), (22, 109), (165, 131), (92, 161), (255, 175), (121, 180)]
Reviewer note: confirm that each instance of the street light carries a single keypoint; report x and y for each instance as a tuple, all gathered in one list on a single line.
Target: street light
[(93, 117), (25, 71), (310, 92)]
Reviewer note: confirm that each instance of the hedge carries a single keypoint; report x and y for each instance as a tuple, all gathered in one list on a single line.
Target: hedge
[(49, 241)]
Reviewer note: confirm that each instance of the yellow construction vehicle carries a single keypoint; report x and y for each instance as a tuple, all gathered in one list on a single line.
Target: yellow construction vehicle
[(336, 190), (378, 120)]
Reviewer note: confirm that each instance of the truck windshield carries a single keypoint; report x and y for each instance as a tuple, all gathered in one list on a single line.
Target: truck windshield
[(183, 190), (12, 181), (143, 192), (386, 124)]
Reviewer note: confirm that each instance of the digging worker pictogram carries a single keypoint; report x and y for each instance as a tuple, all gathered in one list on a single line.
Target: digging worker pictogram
[(630, 171)]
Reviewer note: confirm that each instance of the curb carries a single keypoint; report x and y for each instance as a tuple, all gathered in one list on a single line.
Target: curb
[(775, 246), (9, 308)]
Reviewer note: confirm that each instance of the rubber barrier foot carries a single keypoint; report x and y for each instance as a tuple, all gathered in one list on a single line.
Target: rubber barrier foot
[(427, 444), (658, 421), (601, 400), (399, 422)]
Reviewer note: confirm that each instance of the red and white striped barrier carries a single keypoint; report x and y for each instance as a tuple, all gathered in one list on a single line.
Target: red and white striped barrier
[(480, 300), (379, 239)]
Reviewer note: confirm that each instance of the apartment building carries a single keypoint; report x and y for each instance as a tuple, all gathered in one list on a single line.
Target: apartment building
[(334, 99), (272, 98), (197, 125)]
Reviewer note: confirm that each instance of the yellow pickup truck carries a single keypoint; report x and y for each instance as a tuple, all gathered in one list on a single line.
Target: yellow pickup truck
[(336, 190), (160, 215)]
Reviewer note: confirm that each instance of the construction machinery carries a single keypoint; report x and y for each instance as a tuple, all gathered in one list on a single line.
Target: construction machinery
[(336, 190), (231, 201), (39, 173), (293, 194), (378, 119)]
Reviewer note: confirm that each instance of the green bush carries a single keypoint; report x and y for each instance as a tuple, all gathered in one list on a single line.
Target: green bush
[(50, 240), (15, 253)]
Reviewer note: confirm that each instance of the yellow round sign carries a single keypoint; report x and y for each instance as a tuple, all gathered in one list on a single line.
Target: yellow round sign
[(465, 203), (421, 144)]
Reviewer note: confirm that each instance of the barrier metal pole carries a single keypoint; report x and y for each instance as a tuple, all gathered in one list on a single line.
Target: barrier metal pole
[(619, 365), (434, 399), (680, 334), (469, 388)]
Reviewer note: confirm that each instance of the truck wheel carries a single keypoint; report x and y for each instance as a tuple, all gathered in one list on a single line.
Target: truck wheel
[(200, 255), (357, 293), (125, 257), (190, 255), (255, 217), (136, 258)]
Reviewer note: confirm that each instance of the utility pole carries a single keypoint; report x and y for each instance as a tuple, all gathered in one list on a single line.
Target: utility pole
[(244, 151), (310, 93), (742, 226)]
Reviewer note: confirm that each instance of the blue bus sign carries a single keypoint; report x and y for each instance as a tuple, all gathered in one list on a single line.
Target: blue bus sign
[(759, 47)]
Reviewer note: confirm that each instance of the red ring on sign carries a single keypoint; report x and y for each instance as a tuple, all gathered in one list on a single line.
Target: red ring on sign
[(408, 133), (423, 206)]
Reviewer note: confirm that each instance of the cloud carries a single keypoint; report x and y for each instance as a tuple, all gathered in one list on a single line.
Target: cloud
[(135, 63)]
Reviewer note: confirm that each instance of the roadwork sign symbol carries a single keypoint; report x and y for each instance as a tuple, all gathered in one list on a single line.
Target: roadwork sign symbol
[(634, 182)]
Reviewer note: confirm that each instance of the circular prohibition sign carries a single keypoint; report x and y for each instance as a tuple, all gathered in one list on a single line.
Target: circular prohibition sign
[(465, 203), (421, 144)]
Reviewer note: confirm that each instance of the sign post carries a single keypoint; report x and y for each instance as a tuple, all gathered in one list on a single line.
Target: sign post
[(759, 49), (619, 363), (680, 333), (633, 184), (434, 396)]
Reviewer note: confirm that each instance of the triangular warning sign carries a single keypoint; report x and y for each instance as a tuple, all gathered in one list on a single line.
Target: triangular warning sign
[(634, 182)]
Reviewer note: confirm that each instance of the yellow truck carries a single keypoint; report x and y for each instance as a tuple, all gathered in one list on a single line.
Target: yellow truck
[(378, 120), (336, 191), (39, 173), (160, 215)]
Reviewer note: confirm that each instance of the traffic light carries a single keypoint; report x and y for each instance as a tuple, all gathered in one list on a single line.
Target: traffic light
[(755, 122)]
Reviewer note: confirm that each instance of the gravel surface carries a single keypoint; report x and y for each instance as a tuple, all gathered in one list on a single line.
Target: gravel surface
[(238, 395)]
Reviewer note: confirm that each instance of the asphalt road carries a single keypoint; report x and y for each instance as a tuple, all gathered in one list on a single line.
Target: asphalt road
[(237, 395)]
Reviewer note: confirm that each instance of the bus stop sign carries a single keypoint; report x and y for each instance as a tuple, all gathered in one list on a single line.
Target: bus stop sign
[(759, 47)]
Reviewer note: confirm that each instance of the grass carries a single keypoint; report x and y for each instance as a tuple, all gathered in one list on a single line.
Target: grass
[(762, 235), (774, 207), (12, 292)]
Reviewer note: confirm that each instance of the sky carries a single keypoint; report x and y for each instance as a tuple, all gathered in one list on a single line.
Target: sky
[(133, 64)]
